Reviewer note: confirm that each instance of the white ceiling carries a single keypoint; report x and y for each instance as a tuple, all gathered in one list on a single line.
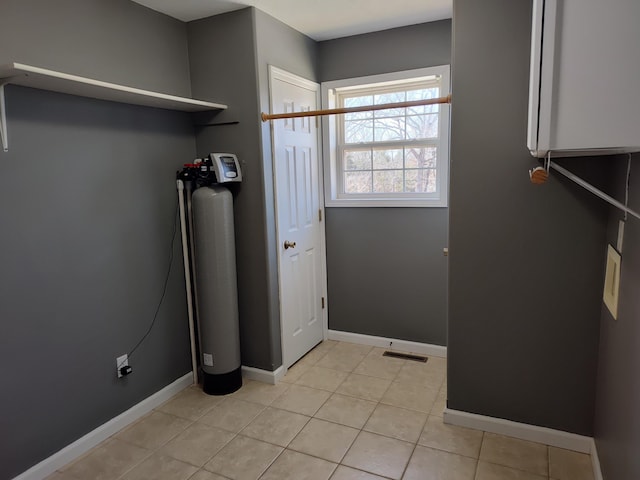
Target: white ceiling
[(319, 19)]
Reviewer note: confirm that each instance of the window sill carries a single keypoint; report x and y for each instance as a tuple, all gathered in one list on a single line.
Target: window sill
[(393, 203)]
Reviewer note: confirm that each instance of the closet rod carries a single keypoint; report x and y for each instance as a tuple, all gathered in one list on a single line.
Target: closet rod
[(592, 189), (334, 111)]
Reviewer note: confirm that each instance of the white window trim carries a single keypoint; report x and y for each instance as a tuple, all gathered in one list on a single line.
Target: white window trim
[(329, 142)]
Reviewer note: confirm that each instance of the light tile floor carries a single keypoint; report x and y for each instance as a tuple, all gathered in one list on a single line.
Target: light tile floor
[(344, 412)]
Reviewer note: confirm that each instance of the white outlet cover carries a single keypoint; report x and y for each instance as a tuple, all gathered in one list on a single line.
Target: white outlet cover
[(121, 361), (207, 359), (612, 281)]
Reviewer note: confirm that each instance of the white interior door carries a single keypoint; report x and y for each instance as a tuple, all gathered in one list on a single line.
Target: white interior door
[(300, 252)]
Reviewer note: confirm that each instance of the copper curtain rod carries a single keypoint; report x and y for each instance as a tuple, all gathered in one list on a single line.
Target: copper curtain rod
[(334, 111)]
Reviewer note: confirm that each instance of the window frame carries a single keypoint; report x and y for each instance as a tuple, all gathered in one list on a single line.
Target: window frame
[(334, 192)]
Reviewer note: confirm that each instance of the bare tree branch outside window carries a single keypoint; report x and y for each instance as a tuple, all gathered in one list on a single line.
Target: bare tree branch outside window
[(393, 150)]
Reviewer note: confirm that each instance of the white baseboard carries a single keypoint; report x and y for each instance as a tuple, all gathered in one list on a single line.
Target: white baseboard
[(104, 431), (595, 461), (264, 376), (390, 343), (523, 431)]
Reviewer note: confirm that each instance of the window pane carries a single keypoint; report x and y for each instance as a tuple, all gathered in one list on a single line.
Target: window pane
[(390, 155), (387, 181), (389, 112), (358, 116), (358, 101), (422, 126), (357, 159), (358, 131), (420, 181), (387, 159), (391, 97), (423, 94), (387, 129), (420, 157), (357, 182)]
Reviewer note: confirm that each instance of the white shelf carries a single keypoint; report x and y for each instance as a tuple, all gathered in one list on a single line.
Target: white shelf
[(36, 77), (29, 76)]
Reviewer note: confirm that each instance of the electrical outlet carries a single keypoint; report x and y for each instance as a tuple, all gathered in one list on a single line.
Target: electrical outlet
[(121, 361)]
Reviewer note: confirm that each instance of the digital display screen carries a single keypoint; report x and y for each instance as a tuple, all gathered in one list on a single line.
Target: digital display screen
[(227, 168)]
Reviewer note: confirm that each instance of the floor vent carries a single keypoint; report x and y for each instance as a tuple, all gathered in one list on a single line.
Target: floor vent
[(405, 356)]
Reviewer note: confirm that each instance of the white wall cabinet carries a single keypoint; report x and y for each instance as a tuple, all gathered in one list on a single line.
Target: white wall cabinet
[(584, 94)]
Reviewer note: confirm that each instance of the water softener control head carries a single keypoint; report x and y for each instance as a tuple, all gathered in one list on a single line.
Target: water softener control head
[(226, 167)]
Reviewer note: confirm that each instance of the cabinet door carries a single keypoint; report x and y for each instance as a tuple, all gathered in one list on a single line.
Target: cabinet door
[(588, 70)]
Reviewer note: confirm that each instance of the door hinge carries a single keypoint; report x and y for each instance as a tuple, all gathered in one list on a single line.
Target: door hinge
[(319, 215), (323, 302)]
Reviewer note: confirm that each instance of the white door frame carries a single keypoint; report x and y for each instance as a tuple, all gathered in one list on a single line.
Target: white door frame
[(283, 75)]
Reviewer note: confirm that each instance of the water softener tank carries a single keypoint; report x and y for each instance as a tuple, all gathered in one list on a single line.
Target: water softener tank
[(217, 291)]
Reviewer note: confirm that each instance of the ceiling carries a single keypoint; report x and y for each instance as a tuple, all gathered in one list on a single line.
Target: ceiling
[(318, 19)]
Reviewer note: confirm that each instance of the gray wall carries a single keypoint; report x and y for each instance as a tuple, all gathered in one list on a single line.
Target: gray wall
[(87, 208), (617, 420), (116, 41), (386, 272), (279, 45), (393, 50), (223, 62), (526, 263), (239, 73)]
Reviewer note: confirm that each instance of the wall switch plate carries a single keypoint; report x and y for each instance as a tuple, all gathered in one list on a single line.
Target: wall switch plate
[(612, 281), (121, 361)]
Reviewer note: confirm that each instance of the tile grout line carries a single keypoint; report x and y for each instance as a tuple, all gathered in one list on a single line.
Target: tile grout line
[(235, 434), (157, 449), (151, 451), (284, 449), (192, 422), (309, 420), (475, 474), (377, 404), (360, 430), (331, 393), (404, 470)]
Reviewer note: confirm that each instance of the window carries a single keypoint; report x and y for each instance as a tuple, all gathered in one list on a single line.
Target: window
[(392, 157)]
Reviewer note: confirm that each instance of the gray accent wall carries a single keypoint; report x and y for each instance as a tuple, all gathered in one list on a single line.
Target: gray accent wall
[(526, 263), (281, 46), (393, 50), (223, 62), (617, 420), (88, 209), (229, 56), (115, 41), (386, 272), (387, 275)]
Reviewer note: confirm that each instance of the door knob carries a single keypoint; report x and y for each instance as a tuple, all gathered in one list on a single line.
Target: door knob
[(288, 244)]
